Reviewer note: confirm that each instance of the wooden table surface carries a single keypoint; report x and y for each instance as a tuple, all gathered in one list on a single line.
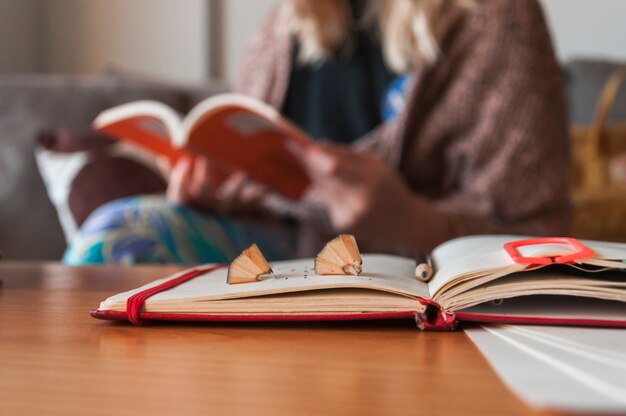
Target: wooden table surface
[(57, 360)]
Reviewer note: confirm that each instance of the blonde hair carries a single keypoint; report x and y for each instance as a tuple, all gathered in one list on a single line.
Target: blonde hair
[(409, 29)]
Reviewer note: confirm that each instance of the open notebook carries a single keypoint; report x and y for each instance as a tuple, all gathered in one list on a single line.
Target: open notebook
[(475, 279)]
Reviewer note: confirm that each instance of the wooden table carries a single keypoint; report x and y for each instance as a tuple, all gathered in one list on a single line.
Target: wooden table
[(57, 360)]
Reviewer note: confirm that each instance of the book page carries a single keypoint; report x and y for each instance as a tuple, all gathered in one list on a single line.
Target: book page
[(385, 273), (246, 134), (581, 370), (480, 257), (149, 124), (476, 255), (552, 306), (555, 280)]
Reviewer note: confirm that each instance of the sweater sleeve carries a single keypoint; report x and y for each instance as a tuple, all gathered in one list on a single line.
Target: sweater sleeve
[(509, 154)]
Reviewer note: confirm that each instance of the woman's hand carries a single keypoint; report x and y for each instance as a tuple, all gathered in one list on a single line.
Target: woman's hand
[(363, 195), (213, 187)]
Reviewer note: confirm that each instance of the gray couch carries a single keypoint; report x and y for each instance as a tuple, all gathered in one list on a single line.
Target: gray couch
[(29, 228)]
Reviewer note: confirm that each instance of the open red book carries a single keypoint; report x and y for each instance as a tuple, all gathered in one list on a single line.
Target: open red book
[(236, 131), (480, 278)]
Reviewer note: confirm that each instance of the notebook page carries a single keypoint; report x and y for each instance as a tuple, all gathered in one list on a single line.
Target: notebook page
[(578, 370), (607, 250), (380, 272), (465, 255), (485, 254), (553, 306)]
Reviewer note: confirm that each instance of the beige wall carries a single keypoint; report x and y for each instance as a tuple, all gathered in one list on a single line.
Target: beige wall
[(241, 17), (170, 38), (162, 38), (20, 36), (590, 28)]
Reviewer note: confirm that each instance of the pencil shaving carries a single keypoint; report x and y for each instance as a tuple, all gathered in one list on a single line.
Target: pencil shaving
[(250, 266), (339, 256)]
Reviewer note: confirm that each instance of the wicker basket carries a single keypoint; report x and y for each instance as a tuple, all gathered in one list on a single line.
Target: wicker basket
[(599, 198)]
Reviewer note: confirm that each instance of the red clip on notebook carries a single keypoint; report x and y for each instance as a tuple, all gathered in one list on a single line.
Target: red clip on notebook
[(579, 251), (512, 279)]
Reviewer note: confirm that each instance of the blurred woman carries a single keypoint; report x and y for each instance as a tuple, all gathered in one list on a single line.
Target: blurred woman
[(436, 118)]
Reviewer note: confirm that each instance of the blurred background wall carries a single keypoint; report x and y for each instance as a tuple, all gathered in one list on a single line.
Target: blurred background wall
[(193, 40), (595, 29), (163, 38), (21, 36)]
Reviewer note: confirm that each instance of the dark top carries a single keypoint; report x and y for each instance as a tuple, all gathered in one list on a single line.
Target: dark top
[(340, 98)]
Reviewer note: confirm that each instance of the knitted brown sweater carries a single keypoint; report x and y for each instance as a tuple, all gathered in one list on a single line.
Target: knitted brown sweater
[(483, 134)]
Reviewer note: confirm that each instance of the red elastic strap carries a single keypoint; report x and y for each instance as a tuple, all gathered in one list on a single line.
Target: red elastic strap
[(135, 303)]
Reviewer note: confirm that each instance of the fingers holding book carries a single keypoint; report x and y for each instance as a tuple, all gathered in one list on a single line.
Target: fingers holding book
[(212, 186), (356, 189)]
